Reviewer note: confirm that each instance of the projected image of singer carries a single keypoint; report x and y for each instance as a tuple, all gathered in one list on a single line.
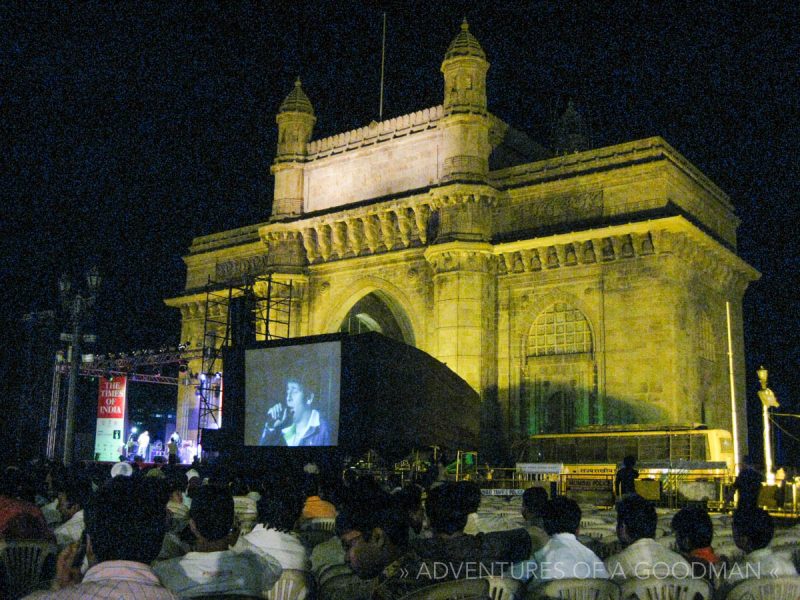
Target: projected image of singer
[(295, 422)]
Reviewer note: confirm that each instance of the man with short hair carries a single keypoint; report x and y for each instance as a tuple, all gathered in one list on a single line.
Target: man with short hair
[(563, 556), (212, 568), (534, 506), (489, 552), (693, 534), (643, 556), (375, 540), (752, 532), (125, 524), (72, 498)]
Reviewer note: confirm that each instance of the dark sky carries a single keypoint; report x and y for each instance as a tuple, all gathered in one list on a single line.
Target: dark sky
[(129, 128)]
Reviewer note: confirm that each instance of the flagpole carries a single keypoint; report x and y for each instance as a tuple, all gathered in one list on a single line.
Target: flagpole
[(734, 420), (383, 61)]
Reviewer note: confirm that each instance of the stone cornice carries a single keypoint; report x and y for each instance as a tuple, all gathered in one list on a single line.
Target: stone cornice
[(600, 159), (225, 239), (668, 235)]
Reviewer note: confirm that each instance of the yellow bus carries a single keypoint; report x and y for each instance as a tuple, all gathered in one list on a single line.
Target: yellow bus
[(609, 444)]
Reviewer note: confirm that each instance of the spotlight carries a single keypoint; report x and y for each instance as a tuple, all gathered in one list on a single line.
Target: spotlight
[(108, 376), (182, 368)]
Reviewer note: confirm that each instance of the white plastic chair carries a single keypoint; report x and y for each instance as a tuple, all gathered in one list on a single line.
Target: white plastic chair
[(777, 588), (669, 588), (23, 564), (575, 589)]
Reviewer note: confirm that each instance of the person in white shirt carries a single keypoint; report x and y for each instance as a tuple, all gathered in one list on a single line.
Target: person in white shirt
[(753, 529), (212, 568), (643, 557), (72, 498), (278, 511), (563, 556)]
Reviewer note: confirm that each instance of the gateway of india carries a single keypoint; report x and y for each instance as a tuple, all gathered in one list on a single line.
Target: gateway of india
[(567, 288)]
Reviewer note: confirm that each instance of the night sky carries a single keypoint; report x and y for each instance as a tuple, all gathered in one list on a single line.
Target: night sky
[(130, 128)]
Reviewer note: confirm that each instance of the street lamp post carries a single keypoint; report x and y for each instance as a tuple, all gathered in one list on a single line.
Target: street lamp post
[(768, 400), (77, 304)]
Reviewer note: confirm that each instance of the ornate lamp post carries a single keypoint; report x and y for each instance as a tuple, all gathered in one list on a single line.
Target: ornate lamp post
[(768, 400), (77, 304)]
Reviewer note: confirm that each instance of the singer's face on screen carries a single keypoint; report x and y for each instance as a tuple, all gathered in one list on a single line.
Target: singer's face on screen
[(298, 400)]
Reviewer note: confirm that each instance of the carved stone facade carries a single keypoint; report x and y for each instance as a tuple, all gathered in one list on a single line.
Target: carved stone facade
[(567, 290)]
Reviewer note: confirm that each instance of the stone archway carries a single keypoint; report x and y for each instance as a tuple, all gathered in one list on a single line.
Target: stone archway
[(371, 313), (375, 305)]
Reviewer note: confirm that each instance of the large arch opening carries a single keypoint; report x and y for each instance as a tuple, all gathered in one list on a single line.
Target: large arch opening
[(371, 313)]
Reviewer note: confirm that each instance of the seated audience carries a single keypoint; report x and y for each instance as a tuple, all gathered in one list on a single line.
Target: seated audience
[(125, 524), (471, 498), (20, 518), (375, 541), (445, 509), (212, 568), (643, 556), (693, 534), (534, 506), (315, 507), (410, 499), (752, 532), (278, 511), (563, 556), (72, 499)]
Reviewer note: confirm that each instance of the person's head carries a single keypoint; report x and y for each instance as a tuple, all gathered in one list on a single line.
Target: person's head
[(280, 506), (693, 529), (470, 493), (126, 520), (211, 514), (373, 534), (298, 398), (410, 499), (176, 484), (74, 494), (562, 515), (629, 461), (636, 519), (534, 502), (752, 529), (445, 509)]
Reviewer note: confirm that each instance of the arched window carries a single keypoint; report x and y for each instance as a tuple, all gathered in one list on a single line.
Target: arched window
[(372, 314), (560, 329), (560, 381)]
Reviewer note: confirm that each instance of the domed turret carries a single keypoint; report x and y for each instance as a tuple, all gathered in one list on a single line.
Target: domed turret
[(464, 44), (295, 120), (465, 127), (297, 101), (464, 68)]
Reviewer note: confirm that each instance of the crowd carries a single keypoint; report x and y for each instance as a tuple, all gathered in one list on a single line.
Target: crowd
[(165, 533)]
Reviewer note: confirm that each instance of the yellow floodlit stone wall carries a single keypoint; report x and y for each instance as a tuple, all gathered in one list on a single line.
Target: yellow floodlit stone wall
[(569, 290)]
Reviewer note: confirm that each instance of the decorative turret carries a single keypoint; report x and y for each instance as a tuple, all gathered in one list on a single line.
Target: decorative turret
[(295, 123), (465, 125), (295, 120), (464, 68), (570, 133)]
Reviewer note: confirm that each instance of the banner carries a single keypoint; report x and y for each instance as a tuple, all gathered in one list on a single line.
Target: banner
[(111, 408)]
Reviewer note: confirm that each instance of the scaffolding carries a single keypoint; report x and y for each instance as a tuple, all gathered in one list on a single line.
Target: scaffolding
[(265, 312), (260, 307)]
